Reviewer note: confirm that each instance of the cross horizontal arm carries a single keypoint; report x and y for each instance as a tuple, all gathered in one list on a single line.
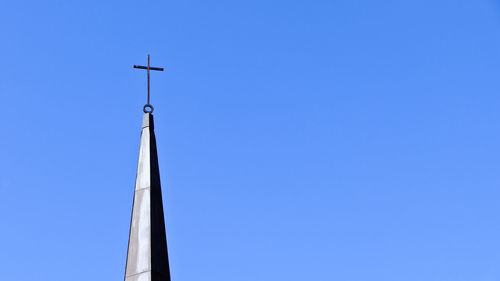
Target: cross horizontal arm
[(150, 68)]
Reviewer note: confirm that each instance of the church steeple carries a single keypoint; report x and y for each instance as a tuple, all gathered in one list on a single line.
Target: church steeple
[(147, 256)]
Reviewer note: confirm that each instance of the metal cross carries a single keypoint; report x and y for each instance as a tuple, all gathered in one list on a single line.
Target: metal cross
[(148, 105)]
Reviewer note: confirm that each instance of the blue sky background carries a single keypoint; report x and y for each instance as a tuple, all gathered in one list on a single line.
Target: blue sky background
[(298, 140)]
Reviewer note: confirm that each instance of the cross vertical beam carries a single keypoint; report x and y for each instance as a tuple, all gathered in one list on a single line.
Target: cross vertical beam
[(148, 68)]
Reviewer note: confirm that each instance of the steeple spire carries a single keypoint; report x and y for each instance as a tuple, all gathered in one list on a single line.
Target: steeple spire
[(147, 256)]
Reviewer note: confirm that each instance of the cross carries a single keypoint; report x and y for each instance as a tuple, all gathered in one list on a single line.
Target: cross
[(151, 108)]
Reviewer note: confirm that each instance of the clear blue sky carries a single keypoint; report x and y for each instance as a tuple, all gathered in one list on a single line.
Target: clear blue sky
[(347, 140)]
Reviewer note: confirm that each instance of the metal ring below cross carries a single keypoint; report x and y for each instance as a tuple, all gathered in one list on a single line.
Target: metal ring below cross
[(146, 107)]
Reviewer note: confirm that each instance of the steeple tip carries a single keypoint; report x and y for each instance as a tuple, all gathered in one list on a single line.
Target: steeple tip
[(147, 120)]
